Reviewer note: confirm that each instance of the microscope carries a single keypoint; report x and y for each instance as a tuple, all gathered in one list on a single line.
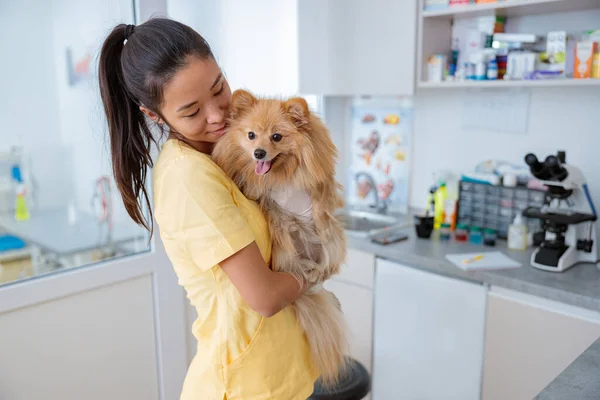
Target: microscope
[(568, 215)]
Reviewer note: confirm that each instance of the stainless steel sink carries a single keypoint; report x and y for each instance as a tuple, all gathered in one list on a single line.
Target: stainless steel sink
[(356, 221)]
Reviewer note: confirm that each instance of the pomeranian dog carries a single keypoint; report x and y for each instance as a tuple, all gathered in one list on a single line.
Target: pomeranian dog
[(274, 147)]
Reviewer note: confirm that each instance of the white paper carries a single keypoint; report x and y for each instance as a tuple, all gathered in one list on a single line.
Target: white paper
[(497, 110), (490, 261)]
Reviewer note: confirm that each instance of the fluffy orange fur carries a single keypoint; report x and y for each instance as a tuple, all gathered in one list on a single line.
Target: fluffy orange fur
[(300, 155)]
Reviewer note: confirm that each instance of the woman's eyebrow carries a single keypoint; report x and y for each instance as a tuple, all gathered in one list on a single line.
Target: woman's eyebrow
[(186, 106), (216, 81), (183, 107)]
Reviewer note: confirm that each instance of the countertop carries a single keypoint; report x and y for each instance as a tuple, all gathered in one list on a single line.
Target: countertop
[(580, 380), (578, 286), (50, 230)]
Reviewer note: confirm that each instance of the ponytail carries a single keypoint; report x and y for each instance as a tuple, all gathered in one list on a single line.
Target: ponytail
[(130, 137), (135, 63)]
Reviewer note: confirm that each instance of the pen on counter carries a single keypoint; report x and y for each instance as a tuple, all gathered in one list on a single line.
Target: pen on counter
[(473, 259)]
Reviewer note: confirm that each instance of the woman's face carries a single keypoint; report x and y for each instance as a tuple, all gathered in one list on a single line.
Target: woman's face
[(196, 103)]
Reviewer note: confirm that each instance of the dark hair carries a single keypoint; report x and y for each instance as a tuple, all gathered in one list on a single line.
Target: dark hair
[(135, 64)]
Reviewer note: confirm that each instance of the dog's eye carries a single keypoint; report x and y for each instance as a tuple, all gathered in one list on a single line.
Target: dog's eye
[(251, 135), (276, 137)]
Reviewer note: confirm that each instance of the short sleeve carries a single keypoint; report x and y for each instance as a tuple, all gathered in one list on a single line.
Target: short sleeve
[(205, 217)]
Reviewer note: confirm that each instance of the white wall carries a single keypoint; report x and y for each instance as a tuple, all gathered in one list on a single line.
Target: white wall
[(202, 15), (559, 119)]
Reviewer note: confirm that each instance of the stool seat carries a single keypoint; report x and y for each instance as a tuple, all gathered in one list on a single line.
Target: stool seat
[(354, 384)]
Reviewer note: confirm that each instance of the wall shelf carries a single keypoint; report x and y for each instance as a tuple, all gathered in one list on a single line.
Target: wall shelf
[(509, 84), (511, 8)]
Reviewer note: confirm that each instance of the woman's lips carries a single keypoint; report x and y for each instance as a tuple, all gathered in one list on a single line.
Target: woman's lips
[(218, 132)]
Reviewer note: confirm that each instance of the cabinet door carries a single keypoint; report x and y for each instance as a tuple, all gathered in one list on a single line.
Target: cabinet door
[(357, 305), (529, 341), (354, 47), (359, 269), (429, 334)]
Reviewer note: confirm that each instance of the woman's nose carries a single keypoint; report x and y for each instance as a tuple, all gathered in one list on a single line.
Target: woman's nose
[(215, 115)]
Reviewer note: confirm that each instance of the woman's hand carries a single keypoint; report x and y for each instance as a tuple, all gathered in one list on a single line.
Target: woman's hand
[(266, 292)]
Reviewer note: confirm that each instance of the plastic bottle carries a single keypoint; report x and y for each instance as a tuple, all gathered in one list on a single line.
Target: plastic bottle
[(480, 66), (492, 70), (441, 194), (445, 232), (461, 234), (517, 234), (475, 235), (21, 209), (489, 237)]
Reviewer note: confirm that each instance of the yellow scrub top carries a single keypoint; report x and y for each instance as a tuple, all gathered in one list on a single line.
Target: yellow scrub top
[(203, 219)]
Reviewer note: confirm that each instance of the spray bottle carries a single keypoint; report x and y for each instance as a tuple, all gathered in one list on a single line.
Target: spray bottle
[(441, 194), (21, 210)]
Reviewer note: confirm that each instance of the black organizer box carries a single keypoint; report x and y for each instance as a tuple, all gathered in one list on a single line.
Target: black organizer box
[(495, 207)]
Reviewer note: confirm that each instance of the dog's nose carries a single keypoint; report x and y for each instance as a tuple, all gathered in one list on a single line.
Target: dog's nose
[(259, 154)]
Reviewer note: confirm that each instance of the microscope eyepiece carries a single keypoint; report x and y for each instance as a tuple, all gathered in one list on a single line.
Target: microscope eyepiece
[(537, 169), (556, 171)]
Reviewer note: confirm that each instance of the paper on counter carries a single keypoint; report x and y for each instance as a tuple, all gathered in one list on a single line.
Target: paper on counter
[(492, 260)]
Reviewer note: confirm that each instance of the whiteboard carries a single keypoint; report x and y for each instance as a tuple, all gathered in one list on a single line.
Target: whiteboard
[(497, 110)]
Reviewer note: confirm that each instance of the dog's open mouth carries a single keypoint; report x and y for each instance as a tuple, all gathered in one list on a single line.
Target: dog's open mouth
[(262, 167)]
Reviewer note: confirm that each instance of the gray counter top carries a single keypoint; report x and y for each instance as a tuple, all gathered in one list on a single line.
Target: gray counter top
[(580, 380), (578, 286)]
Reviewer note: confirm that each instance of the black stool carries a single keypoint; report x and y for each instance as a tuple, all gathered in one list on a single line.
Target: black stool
[(353, 385)]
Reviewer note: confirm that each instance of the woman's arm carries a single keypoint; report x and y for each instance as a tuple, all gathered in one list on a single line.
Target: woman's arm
[(265, 291)]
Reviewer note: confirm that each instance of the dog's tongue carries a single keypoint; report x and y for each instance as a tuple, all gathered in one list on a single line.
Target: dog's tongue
[(262, 167)]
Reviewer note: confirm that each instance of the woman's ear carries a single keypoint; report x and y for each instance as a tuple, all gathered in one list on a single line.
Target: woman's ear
[(152, 115), (241, 101), (297, 109)]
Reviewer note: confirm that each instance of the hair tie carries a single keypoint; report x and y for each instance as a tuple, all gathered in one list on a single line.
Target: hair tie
[(129, 31)]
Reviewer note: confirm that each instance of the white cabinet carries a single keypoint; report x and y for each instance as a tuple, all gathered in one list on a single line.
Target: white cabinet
[(354, 289), (333, 47), (254, 42), (96, 344), (357, 305), (354, 47), (429, 333), (258, 45), (529, 341)]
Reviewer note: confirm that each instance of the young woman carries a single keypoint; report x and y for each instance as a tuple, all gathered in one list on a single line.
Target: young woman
[(249, 344)]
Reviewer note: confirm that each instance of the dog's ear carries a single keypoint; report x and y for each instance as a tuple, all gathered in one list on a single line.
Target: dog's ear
[(241, 101), (297, 109)]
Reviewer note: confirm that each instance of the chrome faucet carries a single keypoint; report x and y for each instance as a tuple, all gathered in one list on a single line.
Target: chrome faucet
[(379, 205)]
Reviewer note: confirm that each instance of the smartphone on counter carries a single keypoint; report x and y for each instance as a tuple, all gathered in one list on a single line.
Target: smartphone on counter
[(388, 237)]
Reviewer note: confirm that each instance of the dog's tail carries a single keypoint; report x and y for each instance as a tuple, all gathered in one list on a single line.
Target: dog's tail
[(322, 320)]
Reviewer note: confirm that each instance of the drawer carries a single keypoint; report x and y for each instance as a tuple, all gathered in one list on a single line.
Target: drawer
[(358, 269)]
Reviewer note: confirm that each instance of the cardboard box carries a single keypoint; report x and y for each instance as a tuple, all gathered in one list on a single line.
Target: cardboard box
[(584, 54)]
